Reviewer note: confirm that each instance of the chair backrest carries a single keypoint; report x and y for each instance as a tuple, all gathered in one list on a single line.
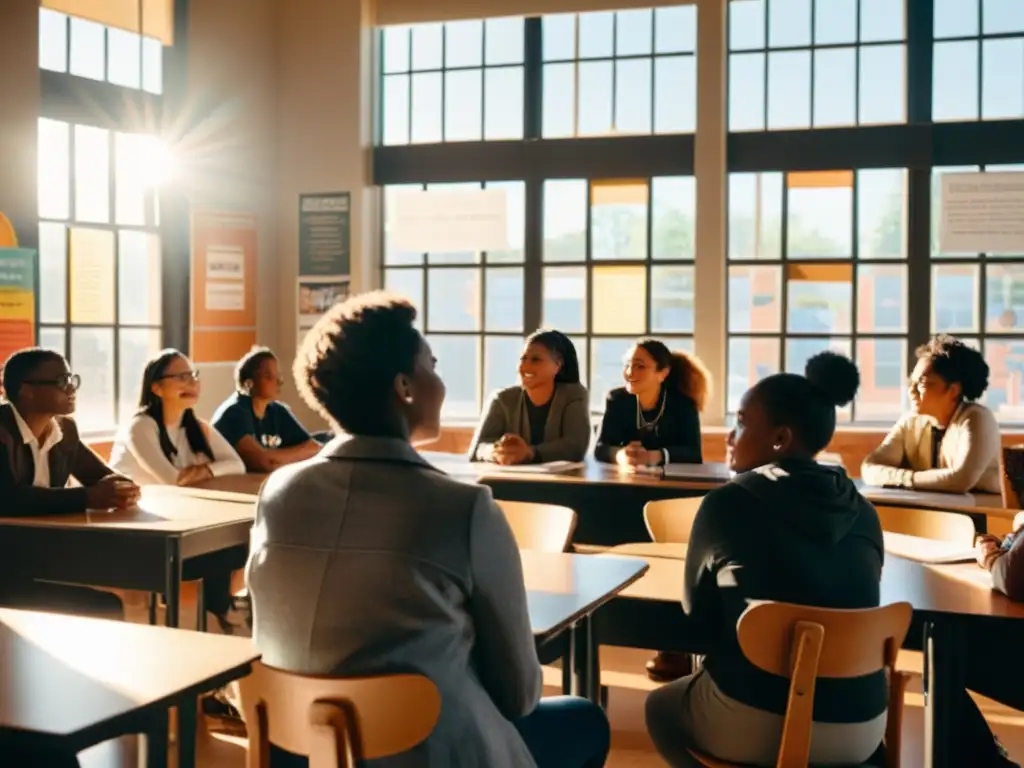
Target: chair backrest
[(541, 527), (669, 520), (335, 722), (804, 643), (954, 527), (1012, 466)]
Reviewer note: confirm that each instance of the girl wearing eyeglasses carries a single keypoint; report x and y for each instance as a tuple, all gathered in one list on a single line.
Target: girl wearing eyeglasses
[(167, 444), (261, 428)]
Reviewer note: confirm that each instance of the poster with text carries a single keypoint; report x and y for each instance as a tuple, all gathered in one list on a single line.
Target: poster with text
[(17, 300), (982, 213), (324, 233)]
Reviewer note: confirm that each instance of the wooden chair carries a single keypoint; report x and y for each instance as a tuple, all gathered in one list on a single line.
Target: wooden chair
[(803, 644), (953, 527), (335, 722), (1012, 472), (541, 527), (669, 521)]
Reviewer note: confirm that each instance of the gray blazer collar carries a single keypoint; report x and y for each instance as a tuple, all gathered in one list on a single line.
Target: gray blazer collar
[(365, 448)]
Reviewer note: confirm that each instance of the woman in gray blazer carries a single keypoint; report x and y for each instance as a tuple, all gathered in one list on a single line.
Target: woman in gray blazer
[(546, 417), (367, 560)]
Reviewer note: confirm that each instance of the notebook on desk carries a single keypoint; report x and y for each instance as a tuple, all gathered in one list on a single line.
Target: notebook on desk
[(908, 497), (930, 551), (710, 471), (547, 468)]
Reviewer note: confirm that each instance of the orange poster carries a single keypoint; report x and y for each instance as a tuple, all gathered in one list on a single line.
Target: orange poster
[(224, 266)]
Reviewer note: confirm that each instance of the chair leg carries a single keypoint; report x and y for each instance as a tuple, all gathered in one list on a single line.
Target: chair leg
[(153, 598), (604, 697), (200, 609)]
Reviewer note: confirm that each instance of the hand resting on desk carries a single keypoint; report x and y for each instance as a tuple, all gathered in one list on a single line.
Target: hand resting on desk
[(112, 492)]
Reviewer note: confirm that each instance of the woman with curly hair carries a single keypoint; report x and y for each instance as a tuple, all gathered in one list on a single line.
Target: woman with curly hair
[(949, 442), (655, 418)]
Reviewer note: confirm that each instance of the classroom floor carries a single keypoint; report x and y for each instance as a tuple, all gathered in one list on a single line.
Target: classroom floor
[(623, 672)]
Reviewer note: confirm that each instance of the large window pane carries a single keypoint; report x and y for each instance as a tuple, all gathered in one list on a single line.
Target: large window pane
[(799, 351), (789, 23), (53, 338), (755, 299), (396, 109), (456, 257), (835, 21), (504, 39), (750, 360), (396, 49), (463, 105), (138, 278), (152, 65), (565, 299), (882, 214), (515, 197), (558, 32), (883, 379), (619, 298), (427, 44), (453, 299), (565, 220), (881, 298), (746, 24), (1002, 84), (675, 29), (675, 94), (606, 363), (132, 152), (92, 174), (53, 40), (881, 20), (137, 346), (618, 219), (820, 218), (755, 216), (955, 81), (633, 96), (92, 358), (503, 103), (426, 108), (882, 90), (458, 363), (1002, 16), (53, 272), (1005, 395), (789, 89), (463, 43), (54, 169), (746, 90), (672, 299), (391, 254), (633, 32), (559, 101), (503, 303), (1004, 298), (87, 49), (124, 58), (594, 110), (955, 298), (501, 362), (407, 283), (673, 207), (835, 75), (820, 298), (596, 34), (956, 18)]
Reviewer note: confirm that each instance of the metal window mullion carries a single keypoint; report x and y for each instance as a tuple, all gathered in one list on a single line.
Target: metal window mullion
[(784, 268), (533, 256), (112, 208), (649, 265), (855, 265), (533, 79)]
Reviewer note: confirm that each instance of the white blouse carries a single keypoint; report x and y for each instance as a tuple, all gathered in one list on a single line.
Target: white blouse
[(137, 454)]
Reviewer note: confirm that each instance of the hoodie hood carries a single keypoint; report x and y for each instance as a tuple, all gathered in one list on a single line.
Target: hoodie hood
[(816, 499)]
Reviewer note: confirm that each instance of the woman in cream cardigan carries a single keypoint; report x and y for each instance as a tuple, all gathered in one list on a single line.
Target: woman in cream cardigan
[(948, 442)]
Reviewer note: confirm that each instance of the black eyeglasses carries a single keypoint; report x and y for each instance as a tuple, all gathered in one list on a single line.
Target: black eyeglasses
[(69, 382), (183, 377)]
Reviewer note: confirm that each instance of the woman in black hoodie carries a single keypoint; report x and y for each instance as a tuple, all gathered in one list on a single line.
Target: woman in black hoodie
[(787, 529)]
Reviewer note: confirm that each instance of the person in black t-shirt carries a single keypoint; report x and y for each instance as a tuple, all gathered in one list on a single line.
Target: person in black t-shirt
[(259, 427), (655, 418)]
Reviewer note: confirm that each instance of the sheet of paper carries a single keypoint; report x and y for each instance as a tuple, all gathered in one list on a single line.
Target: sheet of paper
[(548, 468), (710, 471)]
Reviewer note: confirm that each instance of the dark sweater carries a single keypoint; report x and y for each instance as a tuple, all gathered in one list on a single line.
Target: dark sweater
[(678, 429), (796, 532)]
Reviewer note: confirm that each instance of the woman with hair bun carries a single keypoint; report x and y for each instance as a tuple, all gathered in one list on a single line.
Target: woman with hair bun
[(785, 528), (655, 418), (948, 442)]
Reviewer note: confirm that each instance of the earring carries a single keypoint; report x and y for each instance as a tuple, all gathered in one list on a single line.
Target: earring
[(408, 399), (776, 448)]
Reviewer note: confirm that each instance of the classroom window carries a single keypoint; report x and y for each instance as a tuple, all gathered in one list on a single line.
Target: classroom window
[(980, 297), (619, 72), (457, 81), (97, 52), (798, 64), (470, 304), (618, 264), (100, 261), (817, 261), (978, 60)]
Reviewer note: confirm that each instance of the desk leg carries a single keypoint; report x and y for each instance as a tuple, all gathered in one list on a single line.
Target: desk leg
[(568, 664), (585, 651), (944, 689), (187, 726), (157, 742), (172, 583)]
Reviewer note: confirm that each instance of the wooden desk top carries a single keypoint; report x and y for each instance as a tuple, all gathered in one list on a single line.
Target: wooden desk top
[(962, 588), (161, 510), (561, 587), (243, 488), (74, 677), (980, 503)]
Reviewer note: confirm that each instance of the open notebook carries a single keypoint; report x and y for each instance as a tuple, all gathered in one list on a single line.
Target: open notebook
[(929, 551)]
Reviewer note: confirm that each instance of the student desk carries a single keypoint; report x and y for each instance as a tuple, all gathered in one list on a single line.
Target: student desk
[(71, 682), (563, 592), (951, 601), (975, 505), (141, 548), (608, 501)]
